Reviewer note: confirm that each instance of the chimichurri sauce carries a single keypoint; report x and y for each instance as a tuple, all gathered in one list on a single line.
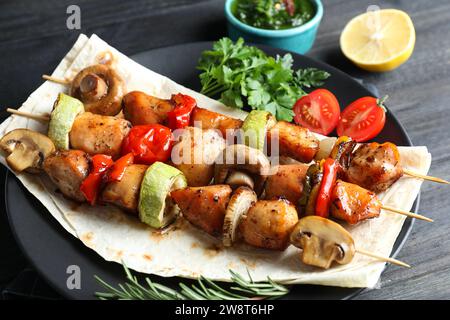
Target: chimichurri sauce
[(274, 14)]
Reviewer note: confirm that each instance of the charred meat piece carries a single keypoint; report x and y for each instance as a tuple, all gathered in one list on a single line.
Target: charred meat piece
[(125, 193), (352, 203), (207, 119), (67, 169), (287, 182), (294, 141), (268, 224), (375, 166), (140, 108), (204, 207), (96, 134)]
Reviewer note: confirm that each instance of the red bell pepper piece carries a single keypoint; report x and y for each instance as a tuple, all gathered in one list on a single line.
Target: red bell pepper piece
[(180, 116), (90, 186), (330, 170), (148, 143), (117, 170)]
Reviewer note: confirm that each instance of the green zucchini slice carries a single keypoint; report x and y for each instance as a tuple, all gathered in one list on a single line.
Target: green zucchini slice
[(65, 110), (156, 207), (255, 127)]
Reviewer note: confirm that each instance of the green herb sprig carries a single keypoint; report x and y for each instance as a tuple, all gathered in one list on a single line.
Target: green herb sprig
[(244, 75), (205, 289)]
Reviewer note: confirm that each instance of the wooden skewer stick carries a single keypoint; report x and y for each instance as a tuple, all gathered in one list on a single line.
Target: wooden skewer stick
[(39, 117), (56, 80), (381, 258), (421, 176), (406, 213)]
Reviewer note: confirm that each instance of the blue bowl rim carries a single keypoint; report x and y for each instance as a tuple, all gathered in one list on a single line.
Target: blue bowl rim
[(275, 33)]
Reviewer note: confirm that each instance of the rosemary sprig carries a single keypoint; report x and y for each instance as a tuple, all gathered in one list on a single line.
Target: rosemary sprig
[(205, 289)]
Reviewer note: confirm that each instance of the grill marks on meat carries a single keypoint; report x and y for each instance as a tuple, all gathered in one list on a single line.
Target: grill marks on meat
[(375, 166), (207, 119), (294, 141), (268, 224), (67, 169), (97, 134), (287, 182), (204, 207), (352, 203), (141, 108), (125, 193)]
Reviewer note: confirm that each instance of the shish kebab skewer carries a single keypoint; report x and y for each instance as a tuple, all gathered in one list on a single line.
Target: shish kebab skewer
[(316, 188), (71, 126), (213, 204), (92, 82), (342, 148), (288, 184), (301, 139), (135, 102)]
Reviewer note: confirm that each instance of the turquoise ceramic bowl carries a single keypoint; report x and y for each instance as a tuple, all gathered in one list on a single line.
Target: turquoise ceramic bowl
[(299, 39)]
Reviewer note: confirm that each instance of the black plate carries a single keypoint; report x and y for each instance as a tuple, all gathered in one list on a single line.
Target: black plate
[(52, 250)]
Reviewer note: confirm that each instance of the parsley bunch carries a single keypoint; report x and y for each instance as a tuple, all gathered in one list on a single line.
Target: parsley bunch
[(245, 76)]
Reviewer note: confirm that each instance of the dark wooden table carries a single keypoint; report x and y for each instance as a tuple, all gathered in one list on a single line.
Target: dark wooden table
[(34, 37)]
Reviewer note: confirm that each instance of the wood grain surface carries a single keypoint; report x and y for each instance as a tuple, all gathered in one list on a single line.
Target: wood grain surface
[(33, 38)]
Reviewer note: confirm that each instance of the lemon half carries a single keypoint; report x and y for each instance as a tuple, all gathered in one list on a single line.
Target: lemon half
[(379, 40)]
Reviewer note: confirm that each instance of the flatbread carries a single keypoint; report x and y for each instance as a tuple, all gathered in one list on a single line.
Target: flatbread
[(184, 250)]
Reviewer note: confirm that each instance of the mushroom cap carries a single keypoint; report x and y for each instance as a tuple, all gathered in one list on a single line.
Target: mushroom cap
[(236, 179), (323, 241), (242, 157), (108, 103), (26, 149), (239, 157)]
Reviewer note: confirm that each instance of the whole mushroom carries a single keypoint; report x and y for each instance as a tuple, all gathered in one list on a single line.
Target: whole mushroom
[(100, 89), (26, 149), (240, 165), (322, 242)]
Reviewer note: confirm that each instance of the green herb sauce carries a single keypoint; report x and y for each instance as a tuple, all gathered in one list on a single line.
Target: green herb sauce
[(274, 14)]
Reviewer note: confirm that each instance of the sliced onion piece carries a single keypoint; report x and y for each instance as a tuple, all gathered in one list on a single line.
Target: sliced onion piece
[(240, 202)]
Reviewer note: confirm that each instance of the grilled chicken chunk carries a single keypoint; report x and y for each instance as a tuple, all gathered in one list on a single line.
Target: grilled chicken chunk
[(375, 166), (204, 207), (294, 141), (141, 108), (287, 182), (268, 224), (194, 154), (67, 169), (207, 119), (125, 193), (95, 134), (352, 203)]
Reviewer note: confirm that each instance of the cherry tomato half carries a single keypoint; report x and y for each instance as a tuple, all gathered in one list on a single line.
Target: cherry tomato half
[(148, 143), (362, 120), (318, 111)]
